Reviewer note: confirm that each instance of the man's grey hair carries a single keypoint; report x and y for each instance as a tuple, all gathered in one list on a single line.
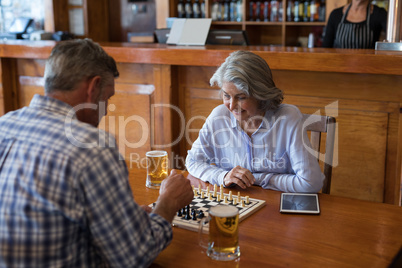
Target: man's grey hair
[(74, 61)]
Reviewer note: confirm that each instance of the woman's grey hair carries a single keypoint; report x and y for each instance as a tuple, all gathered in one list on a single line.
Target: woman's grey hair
[(74, 61), (251, 75)]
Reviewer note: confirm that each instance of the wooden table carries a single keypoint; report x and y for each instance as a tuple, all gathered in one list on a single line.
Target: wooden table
[(347, 233)]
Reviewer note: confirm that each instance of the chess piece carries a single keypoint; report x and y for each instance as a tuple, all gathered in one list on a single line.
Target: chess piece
[(215, 189), (194, 217), (203, 195), (247, 200), (234, 201), (199, 189), (201, 214), (225, 200), (230, 196), (221, 190), (187, 217)]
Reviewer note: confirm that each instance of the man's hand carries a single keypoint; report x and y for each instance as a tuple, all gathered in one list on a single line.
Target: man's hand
[(175, 193), (240, 176)]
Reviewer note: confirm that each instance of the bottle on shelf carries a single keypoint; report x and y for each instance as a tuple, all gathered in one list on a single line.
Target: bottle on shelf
[(239, 11), (233, 10), (280, 10), (180, 9), (215, 10), (252, 11), (289, 10), (321, 11), (202, 5), (306, 10), (267, 10), (314, 8), (188, 9), (274, 10), (226, 14), (296, 13), (258, 11), (301, 10), (196, 9)]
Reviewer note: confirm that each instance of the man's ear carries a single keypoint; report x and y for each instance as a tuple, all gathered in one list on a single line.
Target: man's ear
[(93, 89)]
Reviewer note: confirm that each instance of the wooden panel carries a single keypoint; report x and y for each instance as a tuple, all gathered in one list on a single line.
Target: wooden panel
[(128, 119), (135, 73), (28, 87), (162, 12), (162, 136), (9, 85), (360, 154), (29, 67), (350, 86), (98, 20), (60, 15)]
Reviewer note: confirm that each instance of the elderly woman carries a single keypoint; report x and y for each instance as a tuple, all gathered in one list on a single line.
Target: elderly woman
[(252, 138)]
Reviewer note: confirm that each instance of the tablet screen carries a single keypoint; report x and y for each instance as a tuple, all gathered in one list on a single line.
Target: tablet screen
[(299, 203)]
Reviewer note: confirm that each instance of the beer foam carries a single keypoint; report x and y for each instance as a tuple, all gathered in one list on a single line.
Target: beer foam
[(156, 153), (224, 211)]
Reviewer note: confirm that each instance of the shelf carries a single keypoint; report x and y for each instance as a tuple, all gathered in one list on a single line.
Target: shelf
[(264, 23), (283, 32), (319, 23), (227, 23)]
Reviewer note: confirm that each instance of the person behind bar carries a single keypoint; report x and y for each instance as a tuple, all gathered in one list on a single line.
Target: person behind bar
[(355, 25), (252, 138), (65, 200)]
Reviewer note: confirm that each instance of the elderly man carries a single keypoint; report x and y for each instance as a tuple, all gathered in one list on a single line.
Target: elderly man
[(65, 200)]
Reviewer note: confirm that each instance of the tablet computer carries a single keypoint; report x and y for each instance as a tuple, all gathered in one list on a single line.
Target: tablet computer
[(299, 203)]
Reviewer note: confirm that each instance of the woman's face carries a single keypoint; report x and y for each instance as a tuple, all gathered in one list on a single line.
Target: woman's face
[(239, 104)]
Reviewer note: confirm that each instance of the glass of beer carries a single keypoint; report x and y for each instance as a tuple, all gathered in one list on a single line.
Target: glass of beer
[(223, 233), (157, 168)]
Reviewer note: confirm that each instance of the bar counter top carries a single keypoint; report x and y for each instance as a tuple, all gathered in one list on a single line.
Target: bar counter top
[(279, 58)]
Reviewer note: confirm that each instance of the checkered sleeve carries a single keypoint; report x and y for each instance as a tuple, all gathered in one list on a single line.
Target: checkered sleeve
[(125, 235)]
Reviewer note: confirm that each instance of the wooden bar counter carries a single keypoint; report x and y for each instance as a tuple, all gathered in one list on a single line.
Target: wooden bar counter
[(163, 97)]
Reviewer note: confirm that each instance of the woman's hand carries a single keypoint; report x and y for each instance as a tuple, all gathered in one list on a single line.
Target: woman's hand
[(240, 176)]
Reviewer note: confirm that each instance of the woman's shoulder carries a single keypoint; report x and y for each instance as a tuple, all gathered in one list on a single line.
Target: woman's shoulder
[(337, 12), (379, 10), (291, 112), (219, 110)]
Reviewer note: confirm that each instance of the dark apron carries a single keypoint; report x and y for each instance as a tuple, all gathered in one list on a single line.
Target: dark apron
[(354, 35)]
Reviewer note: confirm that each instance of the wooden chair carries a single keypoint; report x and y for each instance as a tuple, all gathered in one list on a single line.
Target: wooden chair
[(317, 124)]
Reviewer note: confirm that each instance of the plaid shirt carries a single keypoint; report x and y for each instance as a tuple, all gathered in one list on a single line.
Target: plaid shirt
[(65, 200)]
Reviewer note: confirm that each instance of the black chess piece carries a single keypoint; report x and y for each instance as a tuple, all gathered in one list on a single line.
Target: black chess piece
[(201, 214), (187, 217), (194, 218), (179, 213)]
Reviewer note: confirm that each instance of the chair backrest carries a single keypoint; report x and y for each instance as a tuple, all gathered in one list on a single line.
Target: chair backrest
[(318, 124)]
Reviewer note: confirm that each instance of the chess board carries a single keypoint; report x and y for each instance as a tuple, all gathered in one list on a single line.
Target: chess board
[(204, 204)]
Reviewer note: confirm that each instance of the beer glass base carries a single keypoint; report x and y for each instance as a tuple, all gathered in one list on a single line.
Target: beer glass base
[(152, 186), (223, 256)]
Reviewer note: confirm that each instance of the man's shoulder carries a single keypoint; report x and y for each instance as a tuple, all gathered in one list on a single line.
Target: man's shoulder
[(54, 131)]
